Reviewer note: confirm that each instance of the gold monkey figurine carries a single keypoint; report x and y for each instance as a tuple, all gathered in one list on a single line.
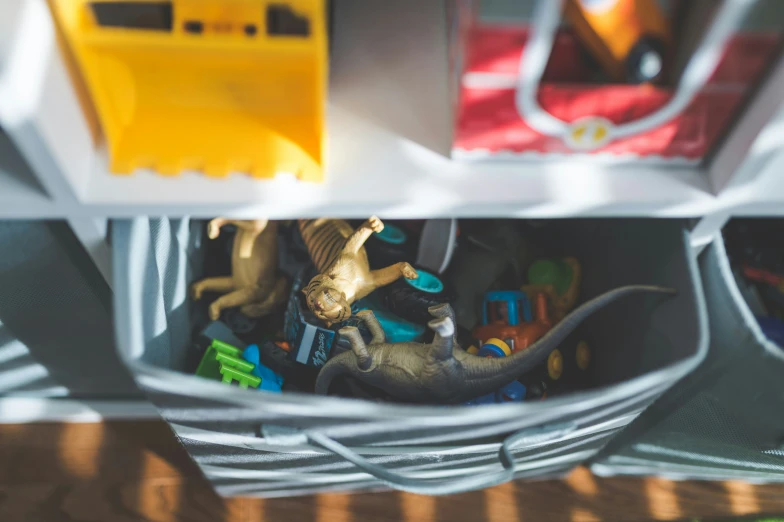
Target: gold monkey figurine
[(254, 285), (344, 273)]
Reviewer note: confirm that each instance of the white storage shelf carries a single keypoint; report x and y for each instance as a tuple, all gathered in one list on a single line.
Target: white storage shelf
[(20, 194), (757, 189), (389, 125), (375, 171)]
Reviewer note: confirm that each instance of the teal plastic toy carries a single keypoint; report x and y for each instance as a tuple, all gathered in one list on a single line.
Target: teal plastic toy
[(392, 234), (397, 329), (426, 282)]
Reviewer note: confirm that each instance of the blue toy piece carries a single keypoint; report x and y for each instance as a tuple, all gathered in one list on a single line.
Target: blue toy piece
[(512, 392), (773, 328), (511, 298), (270, 381), (426, 282), (396, 329), (392, 234)]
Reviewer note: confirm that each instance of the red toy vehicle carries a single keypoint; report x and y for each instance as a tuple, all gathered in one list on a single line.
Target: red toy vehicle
[(506, 316), (526, 90)]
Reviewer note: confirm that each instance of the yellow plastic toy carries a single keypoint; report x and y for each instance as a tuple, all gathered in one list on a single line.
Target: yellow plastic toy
[(210, 85)]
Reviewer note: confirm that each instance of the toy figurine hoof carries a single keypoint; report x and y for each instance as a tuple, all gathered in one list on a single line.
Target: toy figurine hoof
[(349, 331), (214, 312), (442, 326), (376, 225), (409, 272), (440, 310), (196, 291), (213, 228)]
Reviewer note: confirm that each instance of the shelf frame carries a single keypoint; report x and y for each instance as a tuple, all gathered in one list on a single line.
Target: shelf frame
[(390, 128)]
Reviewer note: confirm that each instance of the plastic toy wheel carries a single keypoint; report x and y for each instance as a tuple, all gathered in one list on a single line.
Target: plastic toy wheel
[(410, 298), (645, 62), (494, 348), (390, 246), (239, 322), (555, 364)]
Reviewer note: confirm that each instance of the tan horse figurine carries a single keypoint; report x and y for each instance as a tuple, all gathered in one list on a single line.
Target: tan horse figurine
[(254, 285)]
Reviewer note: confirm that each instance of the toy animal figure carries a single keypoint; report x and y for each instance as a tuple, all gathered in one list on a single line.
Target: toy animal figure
[(254, 285), (344, 272), (442, 372)]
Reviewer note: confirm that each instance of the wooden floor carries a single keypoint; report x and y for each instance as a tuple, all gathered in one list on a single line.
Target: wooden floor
[(135, 471)]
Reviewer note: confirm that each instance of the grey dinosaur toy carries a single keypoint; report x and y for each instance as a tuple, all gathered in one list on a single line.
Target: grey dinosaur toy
[(442, 372)]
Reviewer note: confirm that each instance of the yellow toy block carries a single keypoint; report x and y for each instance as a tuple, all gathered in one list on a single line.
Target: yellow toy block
[(208, 85)]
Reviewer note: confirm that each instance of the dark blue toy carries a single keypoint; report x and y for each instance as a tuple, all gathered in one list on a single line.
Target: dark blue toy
[(773, 328), (512, 392)]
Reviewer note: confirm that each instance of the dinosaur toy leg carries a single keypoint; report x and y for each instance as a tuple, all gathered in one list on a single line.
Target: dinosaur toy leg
[(442, 310), (445, 310), (369, 318), (267, 300), (364, 360), (212, 284), (360, 235), (444, 341)]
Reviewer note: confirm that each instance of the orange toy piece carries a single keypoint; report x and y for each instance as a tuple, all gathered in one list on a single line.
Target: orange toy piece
[(210, 85), (503, 319), (629, 38)]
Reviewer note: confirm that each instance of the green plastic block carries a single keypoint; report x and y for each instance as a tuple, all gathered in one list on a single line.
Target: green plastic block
[(223, 362), (243, 379)]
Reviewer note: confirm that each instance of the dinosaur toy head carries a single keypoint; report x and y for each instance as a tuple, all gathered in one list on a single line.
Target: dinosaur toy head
[(327, 302)]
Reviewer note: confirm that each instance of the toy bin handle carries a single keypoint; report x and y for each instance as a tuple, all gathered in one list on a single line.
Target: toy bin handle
[(403, 482), (545, 22)]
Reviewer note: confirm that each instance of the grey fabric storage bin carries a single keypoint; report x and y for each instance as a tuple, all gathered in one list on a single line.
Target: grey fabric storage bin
[(250, 442), (56, 327), (726, 420)]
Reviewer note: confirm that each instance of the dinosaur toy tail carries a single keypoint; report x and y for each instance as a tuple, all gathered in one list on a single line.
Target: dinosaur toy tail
[(342, 364), (494, 373)]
